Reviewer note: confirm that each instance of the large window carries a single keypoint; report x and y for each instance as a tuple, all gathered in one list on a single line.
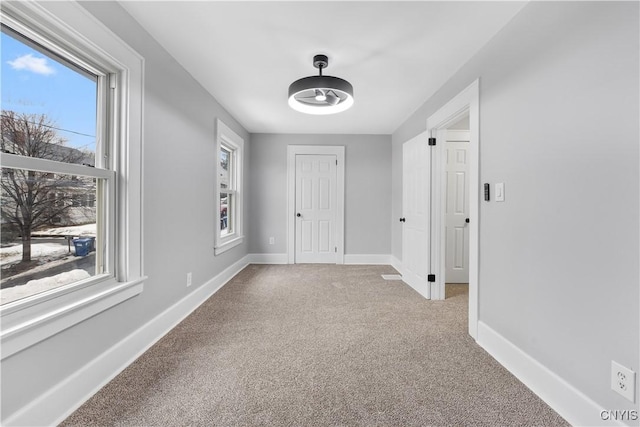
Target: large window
[(71, 178), (50, 231), (229, 188)]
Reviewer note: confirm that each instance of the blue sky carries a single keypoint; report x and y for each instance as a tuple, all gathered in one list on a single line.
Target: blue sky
[(34, 83)]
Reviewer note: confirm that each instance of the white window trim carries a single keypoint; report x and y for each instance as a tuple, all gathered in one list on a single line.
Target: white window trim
[(81, 36), (226, 136)]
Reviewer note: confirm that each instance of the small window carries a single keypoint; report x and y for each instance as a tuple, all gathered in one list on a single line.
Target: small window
[(228, 189)]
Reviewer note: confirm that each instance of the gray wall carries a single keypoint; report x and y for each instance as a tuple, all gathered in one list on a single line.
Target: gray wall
[(559, 125), (367, 190), (179, 164)]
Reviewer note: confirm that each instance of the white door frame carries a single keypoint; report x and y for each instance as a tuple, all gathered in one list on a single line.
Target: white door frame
[(466, 102), (292, 151)]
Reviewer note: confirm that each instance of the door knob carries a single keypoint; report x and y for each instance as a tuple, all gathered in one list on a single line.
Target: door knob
[(298, 215), (466, 220)]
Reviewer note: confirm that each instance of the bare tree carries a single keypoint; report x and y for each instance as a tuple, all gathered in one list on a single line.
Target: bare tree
[(32, 199)]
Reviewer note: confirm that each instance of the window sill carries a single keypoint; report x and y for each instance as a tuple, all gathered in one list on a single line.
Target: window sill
[(22, 328), (229, 244)]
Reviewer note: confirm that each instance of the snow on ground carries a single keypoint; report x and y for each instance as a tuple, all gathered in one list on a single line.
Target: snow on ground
[(76, 230), (52, 248), (33, 287), (13, 253)]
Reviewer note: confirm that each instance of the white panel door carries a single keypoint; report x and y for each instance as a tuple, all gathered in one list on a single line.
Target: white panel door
[(316, 198), (457, 207), (416, 185)]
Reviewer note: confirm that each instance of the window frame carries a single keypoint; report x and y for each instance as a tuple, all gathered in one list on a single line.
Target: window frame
[(231, 141), (69, 30)]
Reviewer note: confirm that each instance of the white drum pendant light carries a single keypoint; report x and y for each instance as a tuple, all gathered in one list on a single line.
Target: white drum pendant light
[(320, 94)]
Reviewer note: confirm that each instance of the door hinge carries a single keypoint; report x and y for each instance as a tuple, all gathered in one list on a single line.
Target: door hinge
[(336, 162), (431, 278), (432, 141), (113, 81), (335, 249)]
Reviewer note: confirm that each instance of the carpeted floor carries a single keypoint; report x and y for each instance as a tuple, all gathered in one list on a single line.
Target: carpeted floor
[(318, 345)]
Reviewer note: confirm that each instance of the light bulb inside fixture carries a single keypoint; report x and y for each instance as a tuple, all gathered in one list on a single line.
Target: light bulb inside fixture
[(320, 96)]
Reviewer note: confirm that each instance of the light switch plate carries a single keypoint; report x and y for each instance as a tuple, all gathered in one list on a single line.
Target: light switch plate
[(500, 192)]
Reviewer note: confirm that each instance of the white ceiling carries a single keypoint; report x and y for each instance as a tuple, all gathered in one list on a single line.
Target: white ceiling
[(395, 54)]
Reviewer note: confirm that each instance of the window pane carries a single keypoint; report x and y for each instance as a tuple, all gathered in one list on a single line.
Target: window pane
[(225, 168), (48, 105), (48, 231), (226, 213)]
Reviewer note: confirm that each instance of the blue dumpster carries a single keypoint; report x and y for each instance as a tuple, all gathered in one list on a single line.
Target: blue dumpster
[(82, 246)]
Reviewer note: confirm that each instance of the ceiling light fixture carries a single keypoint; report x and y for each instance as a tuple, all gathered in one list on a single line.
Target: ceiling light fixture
[(320, 94)]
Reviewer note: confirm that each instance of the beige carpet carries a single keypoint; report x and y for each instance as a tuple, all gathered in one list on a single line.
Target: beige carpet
[(318, 345)]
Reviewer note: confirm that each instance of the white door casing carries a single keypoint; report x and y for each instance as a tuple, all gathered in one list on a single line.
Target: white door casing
[(416, 170), (315, 208), (293, 151), (456, 206)]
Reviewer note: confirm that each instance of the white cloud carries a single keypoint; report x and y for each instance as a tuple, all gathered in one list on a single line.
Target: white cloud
[(31, 63)]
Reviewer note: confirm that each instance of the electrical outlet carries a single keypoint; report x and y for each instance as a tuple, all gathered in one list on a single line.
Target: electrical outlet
[(623, 381), (188, 279), (272, 240)]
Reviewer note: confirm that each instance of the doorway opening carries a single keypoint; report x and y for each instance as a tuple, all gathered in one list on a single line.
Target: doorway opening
[(456, 207), (460, 112)]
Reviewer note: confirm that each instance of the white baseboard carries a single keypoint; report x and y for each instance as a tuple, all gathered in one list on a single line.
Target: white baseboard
[(573, 405), (60, 401), (267, 258), (372, 259), (396, 263)]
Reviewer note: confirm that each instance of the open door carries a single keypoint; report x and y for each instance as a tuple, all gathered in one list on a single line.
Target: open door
[(416, 206)]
